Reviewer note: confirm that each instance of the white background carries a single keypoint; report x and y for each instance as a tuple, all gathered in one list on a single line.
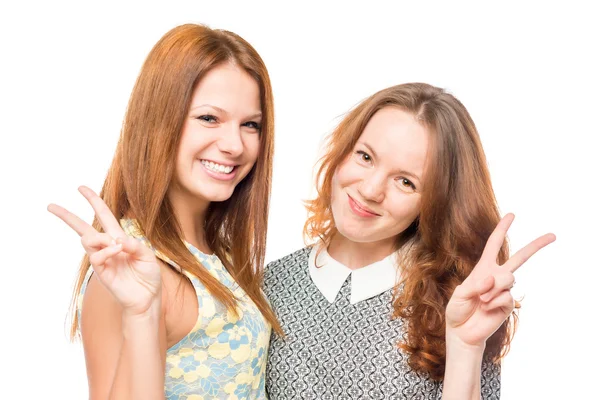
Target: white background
[(527, 73)]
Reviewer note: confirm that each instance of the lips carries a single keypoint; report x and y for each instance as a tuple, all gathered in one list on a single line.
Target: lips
[(218, 171), (218, 167), (360, 209)]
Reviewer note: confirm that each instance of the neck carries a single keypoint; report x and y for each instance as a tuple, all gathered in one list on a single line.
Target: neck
[(191, 215), (355, 255)]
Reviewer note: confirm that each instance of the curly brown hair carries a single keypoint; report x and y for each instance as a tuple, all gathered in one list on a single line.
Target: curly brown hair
[(458, 213)]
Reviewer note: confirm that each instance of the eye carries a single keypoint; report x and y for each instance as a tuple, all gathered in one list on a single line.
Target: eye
[(207, 118), (406, 184), (364, 157), (253, 125)]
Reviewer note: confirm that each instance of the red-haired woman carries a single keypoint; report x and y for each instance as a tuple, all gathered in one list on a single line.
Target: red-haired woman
[(407, 283), (179, 312)]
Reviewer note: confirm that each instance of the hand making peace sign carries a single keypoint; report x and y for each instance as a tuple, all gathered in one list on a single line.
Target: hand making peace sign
[(483, 301), (125, 266)]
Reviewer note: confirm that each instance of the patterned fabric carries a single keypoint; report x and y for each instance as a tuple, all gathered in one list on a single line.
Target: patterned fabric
[(341, 350), (224, 356)]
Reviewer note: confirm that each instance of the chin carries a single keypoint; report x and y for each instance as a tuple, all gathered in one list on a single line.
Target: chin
[(218, 195), (218, 198), (355, 235)]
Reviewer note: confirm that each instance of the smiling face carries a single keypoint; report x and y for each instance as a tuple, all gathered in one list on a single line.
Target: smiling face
[(376, 191), (221, 137)]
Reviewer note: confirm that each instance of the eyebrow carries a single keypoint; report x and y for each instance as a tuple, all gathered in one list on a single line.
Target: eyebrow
[(256, 115), (404, 172)]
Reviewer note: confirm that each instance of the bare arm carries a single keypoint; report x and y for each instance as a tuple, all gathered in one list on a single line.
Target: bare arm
[(122, 320), (462, 379), (477, 308), (125, 355)]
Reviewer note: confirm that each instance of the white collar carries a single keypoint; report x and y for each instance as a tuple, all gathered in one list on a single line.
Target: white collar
[(366, 282)]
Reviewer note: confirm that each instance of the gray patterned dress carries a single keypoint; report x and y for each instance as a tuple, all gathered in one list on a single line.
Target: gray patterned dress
[(341, 350)]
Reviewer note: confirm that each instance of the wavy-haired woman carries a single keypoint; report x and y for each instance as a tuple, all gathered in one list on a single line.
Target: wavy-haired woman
[(179, 312), (407, 283)]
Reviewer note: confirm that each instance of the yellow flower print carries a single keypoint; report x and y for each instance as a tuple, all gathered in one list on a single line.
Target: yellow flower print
[(185, 352), (210, 264), (214, 272), (133, 229), (176, 372), (190, 377), (79, 302), (243, 378), (207, 309), (219, 350), (203, 371), (229, 388), (241, 354), (257, 366), (189, 366), (262, 340), (200, 355), (234, 340), (223, 357), (237, 332), (215, 327), (232, 318), (173, 359), (199, 322)]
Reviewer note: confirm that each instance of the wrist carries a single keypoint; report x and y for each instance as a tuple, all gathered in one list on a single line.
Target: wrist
[(149, 316), (455, 345)]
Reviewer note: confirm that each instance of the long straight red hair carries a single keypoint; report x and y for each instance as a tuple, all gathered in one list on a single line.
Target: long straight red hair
[(144, 163), (458, 213)]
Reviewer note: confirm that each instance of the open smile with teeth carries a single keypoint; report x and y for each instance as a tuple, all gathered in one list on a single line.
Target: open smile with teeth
[(221, 169)]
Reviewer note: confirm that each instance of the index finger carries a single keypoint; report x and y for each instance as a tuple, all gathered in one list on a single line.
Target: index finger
[(523, 255), (496, 239), (76, 223), (105, 216)]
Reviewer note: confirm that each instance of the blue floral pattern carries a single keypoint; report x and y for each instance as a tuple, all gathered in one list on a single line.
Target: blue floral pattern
[(224, 356)]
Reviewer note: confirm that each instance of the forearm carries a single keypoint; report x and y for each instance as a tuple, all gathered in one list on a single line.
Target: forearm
[(462, 379), (140, 371)]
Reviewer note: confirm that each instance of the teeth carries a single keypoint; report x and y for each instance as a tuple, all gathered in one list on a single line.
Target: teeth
[(217, 167)]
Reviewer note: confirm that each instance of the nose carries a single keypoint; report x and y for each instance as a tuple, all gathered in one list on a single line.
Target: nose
[(231, 141), (372, 187)]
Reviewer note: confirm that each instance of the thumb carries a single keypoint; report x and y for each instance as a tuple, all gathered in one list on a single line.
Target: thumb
[(135, 248), (469, 289)]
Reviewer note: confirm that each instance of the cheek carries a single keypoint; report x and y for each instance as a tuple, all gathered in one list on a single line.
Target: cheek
[(252, 147), (406, 207), (183, 154), (192, 141), (338, 182), (186, 157), (345, 174)]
